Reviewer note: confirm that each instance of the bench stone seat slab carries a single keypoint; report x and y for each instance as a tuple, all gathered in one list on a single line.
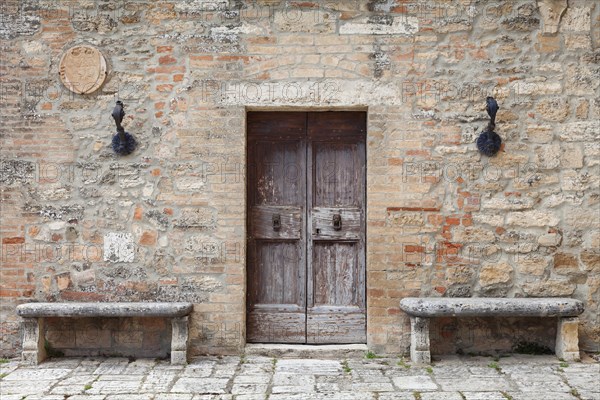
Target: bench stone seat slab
[(428, 307), (421, 309), (34, 313), (39, 310)]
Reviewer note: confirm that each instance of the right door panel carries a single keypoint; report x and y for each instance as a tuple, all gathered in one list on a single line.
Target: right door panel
[(336, 309)]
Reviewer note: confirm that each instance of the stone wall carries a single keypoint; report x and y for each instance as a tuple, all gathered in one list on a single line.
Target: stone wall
[(167, 222)]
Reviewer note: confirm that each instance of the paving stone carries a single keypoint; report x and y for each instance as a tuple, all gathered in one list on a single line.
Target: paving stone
[(373, 387), (121, 377), (251, 379), (199, 370), (250, 397), (418, 383), (293, 389), (328, 387), (67, 390), (222, 371), (205, 385), (80, 380), (473, 384), (541, 382), (86, 367), (541, 396), (483, 396), (585, 381), (147, 396), (112, 366), (397, 396), (116, 385), (483, 371), (325, 396), (139, 367), (8, 367), (441, 396), (173, 396), (31, 375), (10, 396), (158, 381), (25, 387), (370, 375), (288, 379), (88, 397), (585, 395), (61, 363), (248, 388)]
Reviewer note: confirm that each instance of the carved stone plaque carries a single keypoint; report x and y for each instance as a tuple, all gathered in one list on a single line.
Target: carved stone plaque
[(82, 69)]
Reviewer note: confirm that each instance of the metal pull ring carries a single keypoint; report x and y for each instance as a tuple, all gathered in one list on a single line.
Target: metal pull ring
[(337, 222), (276, 222)]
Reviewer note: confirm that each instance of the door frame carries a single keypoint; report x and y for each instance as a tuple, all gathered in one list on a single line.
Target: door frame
[(246, 159)]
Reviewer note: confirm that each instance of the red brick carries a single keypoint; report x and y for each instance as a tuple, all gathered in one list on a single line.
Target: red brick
[(13, 240), (148, 238), (168, 59), (164, 88)]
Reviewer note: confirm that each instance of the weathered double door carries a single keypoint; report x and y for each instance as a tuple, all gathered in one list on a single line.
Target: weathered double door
[(306, 227)]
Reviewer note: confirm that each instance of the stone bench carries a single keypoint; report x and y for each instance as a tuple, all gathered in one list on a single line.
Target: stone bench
[(34, 330), (421, 309)]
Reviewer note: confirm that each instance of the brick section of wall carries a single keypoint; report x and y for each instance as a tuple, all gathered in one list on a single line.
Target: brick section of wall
[(168, 222)]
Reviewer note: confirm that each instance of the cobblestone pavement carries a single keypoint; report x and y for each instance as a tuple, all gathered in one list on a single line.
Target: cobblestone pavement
[(254, 377)]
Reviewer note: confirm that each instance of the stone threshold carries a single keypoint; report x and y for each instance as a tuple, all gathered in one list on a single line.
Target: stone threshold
[(323, 351)]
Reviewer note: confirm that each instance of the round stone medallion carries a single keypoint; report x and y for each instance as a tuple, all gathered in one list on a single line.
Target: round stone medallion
[(82, 69)]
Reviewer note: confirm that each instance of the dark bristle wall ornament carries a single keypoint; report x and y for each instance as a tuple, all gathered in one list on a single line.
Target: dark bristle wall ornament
[(489, 142), (122, 143)]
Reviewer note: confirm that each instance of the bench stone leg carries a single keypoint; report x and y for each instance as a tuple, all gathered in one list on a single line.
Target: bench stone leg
[(567, 339), (179, 339), (419, 340), (34, 351)]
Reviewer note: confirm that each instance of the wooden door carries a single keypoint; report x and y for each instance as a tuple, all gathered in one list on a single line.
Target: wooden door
[(306, 227)]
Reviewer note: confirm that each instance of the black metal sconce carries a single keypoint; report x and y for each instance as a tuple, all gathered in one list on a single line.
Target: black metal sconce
[(489, 142), (122, 143)]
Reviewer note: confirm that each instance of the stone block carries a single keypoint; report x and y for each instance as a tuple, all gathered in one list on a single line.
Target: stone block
[(549, 239), (119, 247), (567, 339), (495, 274), (381, 25), (576, 19), (532, 218), (419, 340), (34, 351), (179, 340), (551, 12), (580, 131), (297, 20), (201, 218), (549, 288)]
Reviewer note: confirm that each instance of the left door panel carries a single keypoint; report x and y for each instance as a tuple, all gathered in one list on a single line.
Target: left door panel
[(276, 301)]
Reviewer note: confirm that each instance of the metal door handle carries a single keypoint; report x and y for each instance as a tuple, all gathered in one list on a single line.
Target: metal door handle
[(337, 222), (276, 222)]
